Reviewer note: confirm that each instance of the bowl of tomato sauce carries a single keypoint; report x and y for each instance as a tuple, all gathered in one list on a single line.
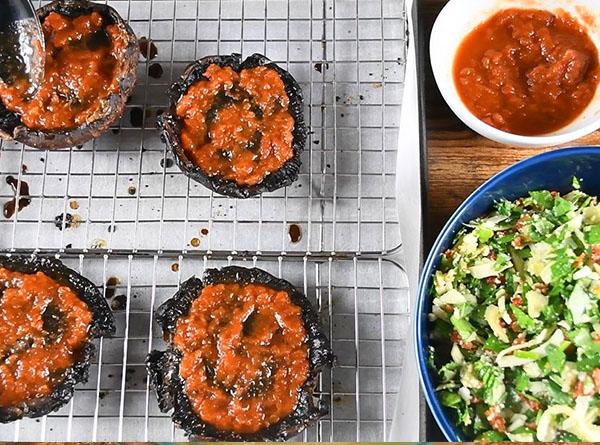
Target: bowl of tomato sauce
[(520, 72)]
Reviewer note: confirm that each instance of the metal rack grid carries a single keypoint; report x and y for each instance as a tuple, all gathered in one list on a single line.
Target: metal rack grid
[(348, 56), (363, 305)]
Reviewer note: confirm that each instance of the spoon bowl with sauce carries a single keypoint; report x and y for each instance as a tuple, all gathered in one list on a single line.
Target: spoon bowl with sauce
[(21, 44), (520, 72)]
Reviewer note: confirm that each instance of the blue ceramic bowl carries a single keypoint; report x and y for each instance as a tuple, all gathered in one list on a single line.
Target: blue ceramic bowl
[(552, 171)]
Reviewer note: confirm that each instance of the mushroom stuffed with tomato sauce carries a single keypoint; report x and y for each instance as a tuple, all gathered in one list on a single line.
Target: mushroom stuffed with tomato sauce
[(49, 316), (236, 126), (245, 350), (90, 65)]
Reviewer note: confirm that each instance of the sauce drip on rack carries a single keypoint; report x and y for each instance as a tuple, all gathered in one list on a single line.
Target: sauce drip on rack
[(20, 188), (295, 233)]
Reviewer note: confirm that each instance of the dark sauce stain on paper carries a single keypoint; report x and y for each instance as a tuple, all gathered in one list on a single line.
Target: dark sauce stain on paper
[(295, 233), (20, 188)]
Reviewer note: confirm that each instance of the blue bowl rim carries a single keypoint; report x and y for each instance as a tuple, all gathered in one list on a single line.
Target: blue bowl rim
[(446, 425)]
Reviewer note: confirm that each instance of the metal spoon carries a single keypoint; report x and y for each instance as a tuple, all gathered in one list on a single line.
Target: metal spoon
[(21, 45)]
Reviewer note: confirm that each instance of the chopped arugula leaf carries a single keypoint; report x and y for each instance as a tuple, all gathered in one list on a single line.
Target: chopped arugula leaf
[(592, 236), (556, 358)]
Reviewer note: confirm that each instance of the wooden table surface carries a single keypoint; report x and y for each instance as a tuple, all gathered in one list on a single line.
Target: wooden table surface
[(458, 159)]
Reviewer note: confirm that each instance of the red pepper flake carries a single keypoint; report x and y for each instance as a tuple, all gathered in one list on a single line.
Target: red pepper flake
[(499, 280), (596, 253), (518, 242), (517, 300), (579, 261), (541, 287), (519, 339), (579, 390), (467, 345), (494, 417), (455, 337), (448, 308), (514, 326), (521, 222), (596, 337), (596, 377), (449, 254), (533, 404), (490, 280)]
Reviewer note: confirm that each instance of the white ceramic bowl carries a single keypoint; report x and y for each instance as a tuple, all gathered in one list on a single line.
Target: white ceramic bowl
[(460, 17)]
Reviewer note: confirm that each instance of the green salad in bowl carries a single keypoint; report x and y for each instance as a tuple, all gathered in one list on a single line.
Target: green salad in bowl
[(517, 295)]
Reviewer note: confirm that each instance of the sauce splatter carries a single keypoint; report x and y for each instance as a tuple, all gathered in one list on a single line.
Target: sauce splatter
[(20, 188), (63, 220), (136, 116), (131, 190), (118, 302), (295, 233), (111, 287), (204, 231), (147, 48), (195, 242), (175, 267), (166, 163), (155, 70), (320, 65)]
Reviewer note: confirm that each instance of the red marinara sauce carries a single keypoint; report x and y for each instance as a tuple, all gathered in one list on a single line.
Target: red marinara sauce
[(80, 73), (42, 325), (237, 125), (526, 71), (244, 356)]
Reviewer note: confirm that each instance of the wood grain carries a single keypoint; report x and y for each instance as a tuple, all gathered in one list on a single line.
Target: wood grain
[(459, 160)]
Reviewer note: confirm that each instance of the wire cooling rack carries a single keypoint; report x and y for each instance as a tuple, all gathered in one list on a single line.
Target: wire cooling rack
[(121, 191), (119, 211), (363, 306)]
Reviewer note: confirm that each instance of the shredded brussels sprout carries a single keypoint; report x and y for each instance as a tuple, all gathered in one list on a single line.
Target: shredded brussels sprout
[(517, 294)]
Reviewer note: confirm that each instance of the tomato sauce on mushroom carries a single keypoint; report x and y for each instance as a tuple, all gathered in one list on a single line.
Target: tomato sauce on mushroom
[(244, 356), (237, 125), (42, 327), (526, 71), (80, 72)]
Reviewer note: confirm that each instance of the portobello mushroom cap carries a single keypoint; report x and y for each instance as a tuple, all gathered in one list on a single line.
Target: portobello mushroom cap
[(103, 324), (170, 127), (163, 366), (11, 125)]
